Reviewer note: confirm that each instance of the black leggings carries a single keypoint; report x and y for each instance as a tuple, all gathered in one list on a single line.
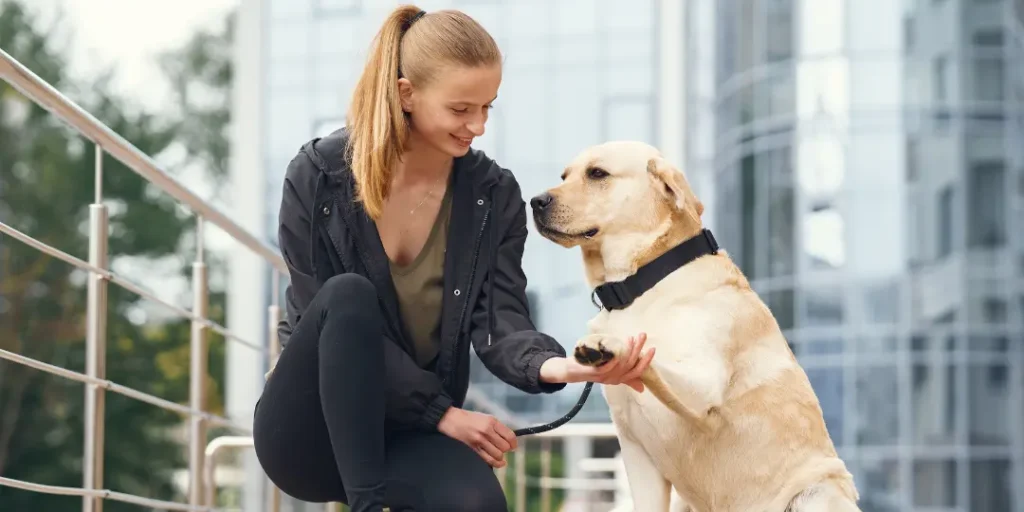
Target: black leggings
[(320, 424)]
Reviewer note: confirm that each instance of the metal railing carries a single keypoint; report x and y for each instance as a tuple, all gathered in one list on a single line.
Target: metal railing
[(107, 142)]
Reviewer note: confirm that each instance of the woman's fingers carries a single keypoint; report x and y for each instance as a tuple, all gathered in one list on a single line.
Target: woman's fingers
[(493, 462), (633, 363), (638, 345), (493, 454), (632, 377), (507, 436)]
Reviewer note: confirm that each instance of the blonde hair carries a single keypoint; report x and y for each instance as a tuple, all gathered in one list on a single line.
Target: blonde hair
[(376, 124)]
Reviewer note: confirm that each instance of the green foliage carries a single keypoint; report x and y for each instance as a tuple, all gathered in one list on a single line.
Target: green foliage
[(533, 473), (46, 185), (201, 73)]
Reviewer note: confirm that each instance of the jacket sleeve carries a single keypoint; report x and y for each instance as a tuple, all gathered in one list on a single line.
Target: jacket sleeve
[(293, 236), (516, 349), (415, 398)]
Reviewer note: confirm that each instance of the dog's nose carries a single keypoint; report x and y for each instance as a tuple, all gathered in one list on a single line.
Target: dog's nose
[(541, 202)]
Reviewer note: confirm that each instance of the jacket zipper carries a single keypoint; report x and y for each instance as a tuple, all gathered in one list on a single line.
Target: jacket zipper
[(465, 302)]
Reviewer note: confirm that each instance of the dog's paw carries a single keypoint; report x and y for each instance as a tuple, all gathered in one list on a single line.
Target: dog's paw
[(598, 349)]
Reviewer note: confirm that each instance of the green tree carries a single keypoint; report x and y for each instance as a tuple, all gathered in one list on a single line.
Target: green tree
[(46, 185), (201, 73)]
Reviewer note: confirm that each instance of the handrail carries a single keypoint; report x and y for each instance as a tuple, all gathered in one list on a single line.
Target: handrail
[(46, 96)]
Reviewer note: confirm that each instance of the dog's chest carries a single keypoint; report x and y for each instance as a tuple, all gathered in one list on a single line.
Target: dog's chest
[(642, 416)]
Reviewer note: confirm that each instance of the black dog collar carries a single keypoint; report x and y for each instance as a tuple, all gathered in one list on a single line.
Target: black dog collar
[(619, 294)]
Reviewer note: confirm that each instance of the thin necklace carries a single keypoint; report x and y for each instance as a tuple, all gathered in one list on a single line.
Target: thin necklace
[(429, 194)]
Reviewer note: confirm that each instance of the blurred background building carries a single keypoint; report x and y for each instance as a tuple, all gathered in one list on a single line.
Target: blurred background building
[(869, 180)]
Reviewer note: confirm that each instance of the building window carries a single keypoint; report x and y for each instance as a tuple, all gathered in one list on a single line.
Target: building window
[(779, 30), (935, 483), (940, 72), (910, 156), (988, 38), (909, 33), (989, 77), (986, 226), (748, 227), (945, 224)]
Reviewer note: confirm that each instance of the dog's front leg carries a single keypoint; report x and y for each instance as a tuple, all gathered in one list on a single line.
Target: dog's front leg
[(691, 392), (648, 488)]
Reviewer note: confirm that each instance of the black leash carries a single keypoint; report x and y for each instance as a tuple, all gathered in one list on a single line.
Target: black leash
[(620, 294), (561, 421)]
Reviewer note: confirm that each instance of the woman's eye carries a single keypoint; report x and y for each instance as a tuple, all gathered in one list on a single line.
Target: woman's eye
[(597, 173), (460, 110)]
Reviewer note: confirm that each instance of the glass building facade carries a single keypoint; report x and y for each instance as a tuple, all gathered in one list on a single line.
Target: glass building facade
[(869, 179)]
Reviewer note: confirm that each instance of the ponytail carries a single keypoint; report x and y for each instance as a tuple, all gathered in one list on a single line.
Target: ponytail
[(376, 123)]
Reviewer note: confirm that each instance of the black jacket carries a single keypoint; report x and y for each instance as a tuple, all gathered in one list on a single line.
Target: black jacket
[(324, 232)]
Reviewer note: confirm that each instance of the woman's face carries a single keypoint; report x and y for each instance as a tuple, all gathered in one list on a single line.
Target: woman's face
[(450, 111)]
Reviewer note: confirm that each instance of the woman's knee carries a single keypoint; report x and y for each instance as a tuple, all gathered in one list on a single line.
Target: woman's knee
[(349, 287), (349, 295)]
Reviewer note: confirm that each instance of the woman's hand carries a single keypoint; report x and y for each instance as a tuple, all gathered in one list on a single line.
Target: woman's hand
[(481, 432), (626, 368)]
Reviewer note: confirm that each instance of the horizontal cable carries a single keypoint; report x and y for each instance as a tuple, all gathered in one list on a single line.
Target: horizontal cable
[(213, 419), (105, 494), (124, 283)]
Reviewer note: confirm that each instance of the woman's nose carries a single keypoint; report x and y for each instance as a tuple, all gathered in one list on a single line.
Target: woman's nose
[(477, 129)]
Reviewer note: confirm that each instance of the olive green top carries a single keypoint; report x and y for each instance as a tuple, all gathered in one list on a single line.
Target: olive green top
[(420, 288)]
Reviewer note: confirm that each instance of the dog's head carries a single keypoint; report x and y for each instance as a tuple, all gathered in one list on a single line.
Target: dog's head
[(616, 196)]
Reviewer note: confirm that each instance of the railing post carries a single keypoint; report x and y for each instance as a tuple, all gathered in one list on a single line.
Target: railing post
[(197, 372), (96, 344), (502, 474), (520, 458), (273, 317), (545, 474)]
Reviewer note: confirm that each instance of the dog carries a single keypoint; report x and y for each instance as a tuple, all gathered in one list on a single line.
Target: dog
[(729, 420)]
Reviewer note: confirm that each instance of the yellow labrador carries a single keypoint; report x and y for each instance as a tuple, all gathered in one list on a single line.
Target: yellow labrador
[(730, 420)]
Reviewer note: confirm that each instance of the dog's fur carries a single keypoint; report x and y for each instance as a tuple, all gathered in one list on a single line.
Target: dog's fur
[(728, 418)]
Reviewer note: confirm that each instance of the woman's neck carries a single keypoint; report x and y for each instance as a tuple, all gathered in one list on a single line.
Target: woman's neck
[(421, 162)]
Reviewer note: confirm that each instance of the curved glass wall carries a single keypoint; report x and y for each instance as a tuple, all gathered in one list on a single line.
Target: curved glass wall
[(869, 178)]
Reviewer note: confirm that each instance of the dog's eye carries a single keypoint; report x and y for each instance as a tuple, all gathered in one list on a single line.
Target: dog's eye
[(597, 173)]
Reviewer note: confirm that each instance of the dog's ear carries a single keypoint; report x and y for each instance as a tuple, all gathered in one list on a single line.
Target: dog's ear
[(674, 184)]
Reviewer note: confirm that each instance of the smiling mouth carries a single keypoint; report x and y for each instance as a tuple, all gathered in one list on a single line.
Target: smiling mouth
[(462, 140), (588, 234)]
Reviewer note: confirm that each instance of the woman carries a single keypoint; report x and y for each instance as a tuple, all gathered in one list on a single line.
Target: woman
[(404, 247)]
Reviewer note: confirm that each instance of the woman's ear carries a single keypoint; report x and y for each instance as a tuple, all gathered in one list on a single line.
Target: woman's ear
[(674, 184), (405, 94)]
